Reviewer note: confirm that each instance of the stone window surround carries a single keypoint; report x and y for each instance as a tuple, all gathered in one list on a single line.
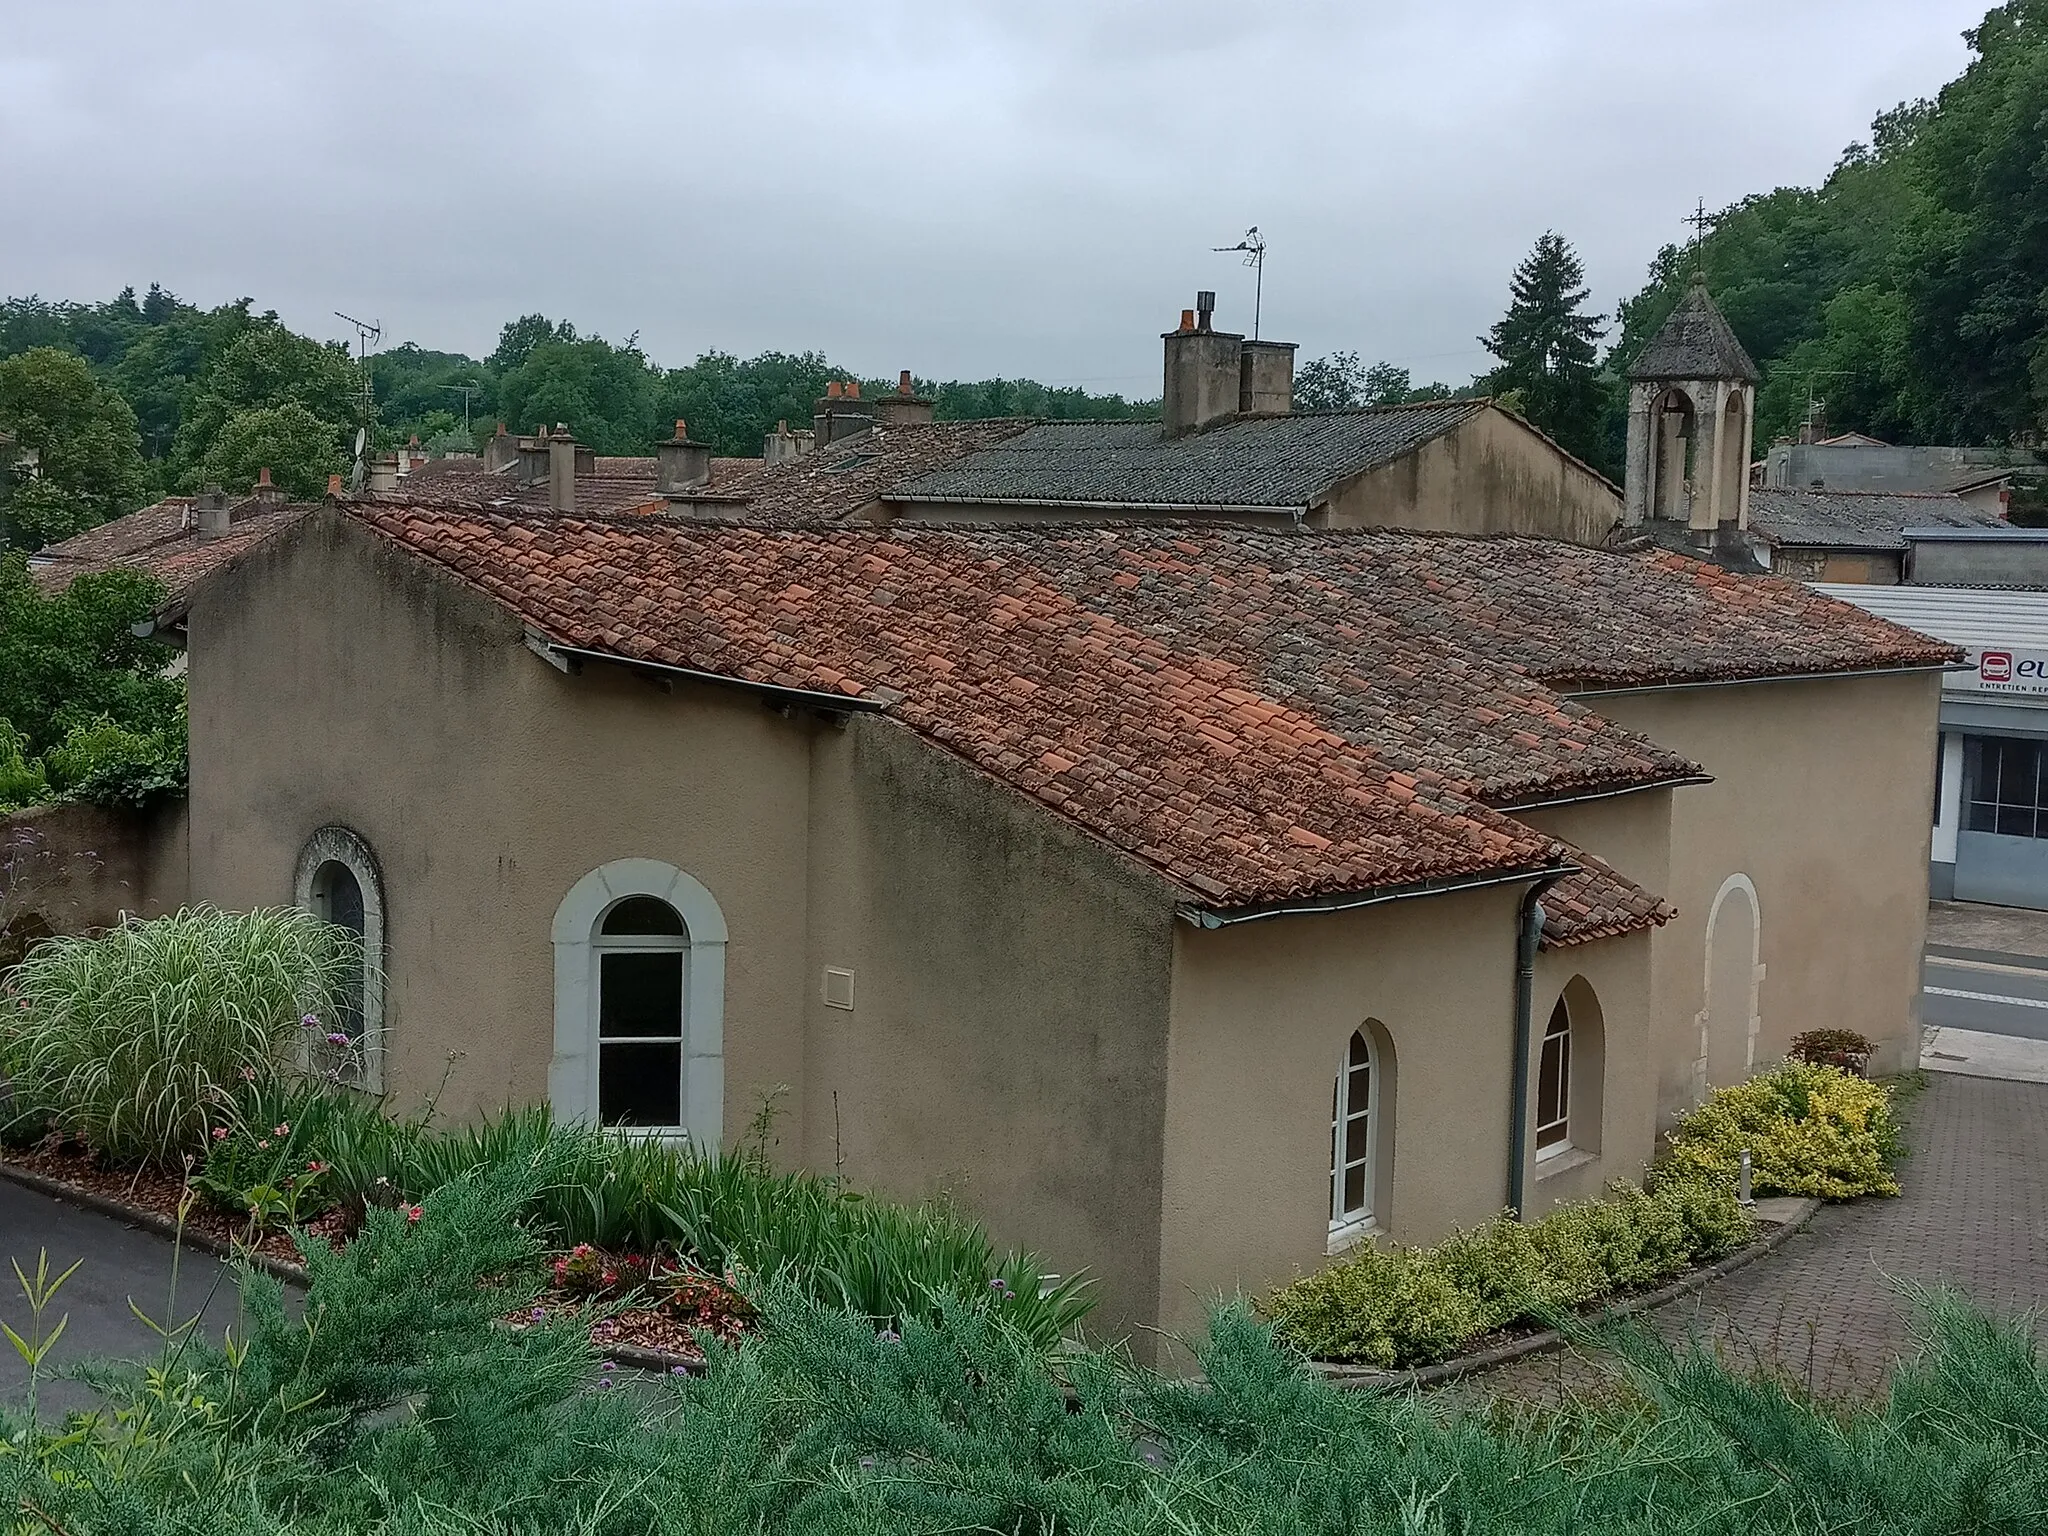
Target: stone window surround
[(572, 1075), (337, 844)]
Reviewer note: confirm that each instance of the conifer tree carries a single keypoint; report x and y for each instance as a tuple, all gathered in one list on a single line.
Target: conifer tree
[(1546, 345)]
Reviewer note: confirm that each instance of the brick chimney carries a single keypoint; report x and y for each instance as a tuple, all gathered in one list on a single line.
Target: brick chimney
[(210, 509), (562, 472), (265, 491), (905, 408), (680, 465), (782, 445), (840, 413), (1204, 371)]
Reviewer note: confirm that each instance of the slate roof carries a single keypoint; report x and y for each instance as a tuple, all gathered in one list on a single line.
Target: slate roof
[(159, 540), (1256, 461), (1858, 519), (1695, 343), (834, 482)]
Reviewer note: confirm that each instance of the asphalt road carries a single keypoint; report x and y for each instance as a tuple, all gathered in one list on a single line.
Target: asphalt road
[(1987, 991), (120, 1262)]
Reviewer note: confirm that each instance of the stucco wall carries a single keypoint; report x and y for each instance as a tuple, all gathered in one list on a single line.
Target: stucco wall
[(1262, 1013), (1007, 1044), (335, 680), (1493, 474), (75, 868), (1820, 799)]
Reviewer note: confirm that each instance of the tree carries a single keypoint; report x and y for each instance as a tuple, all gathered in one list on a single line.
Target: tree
[(603, 393), (297, 447), (519, 337), (82, 438), (267, 366), (1342, 382), (73, 659), (1546, 346)]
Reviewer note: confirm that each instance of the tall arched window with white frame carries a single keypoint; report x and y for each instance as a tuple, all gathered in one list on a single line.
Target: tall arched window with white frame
[(1554, 1085), (1354, 1130)]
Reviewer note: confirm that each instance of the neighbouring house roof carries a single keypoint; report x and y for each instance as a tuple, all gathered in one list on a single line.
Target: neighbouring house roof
[(836, 481), (1263, 717), (1976, 617), (1860, 520), (1695, 343), (1279, 462), (162, 540)]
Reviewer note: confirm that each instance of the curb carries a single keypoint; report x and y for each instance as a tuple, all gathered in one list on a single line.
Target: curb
[(632, 1355), (1364, 1378)]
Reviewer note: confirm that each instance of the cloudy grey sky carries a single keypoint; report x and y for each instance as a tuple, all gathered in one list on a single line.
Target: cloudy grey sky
[(961, 188)]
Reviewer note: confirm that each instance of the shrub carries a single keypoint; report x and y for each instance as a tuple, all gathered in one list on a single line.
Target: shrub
[(1810, 1130), (1842, 1048), (139, 1040), (1398, 1307), (22, 778), (102, 763)]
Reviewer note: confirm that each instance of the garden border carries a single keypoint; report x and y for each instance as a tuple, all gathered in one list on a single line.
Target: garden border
[(1361, 1377), (633, 1355)]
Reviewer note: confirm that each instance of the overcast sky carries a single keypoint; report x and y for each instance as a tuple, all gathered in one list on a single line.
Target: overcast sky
[(960, 188)]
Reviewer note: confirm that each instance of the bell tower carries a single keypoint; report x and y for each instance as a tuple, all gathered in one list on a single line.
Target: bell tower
[(1691, 412)]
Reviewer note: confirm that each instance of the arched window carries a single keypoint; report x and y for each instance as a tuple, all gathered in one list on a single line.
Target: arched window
[(1354, 1127), (337, 878), (640, 1002), (1554, 1084)]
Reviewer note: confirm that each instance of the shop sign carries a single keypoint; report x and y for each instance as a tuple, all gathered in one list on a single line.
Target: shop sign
[(2000, 670)]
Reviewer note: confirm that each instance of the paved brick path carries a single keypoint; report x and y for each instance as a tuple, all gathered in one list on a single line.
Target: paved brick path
[(1974, 1215)]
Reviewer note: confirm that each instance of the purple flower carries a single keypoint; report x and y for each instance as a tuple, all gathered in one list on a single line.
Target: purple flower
[(606, 1383), (337, 1038), (679, 1370), (540, 1314), (607, 1367), (309, 1022), (999, 1284)]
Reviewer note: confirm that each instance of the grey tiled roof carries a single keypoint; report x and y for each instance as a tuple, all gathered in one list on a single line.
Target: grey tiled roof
[(1858, 519), (1258, 461), (1695, 343)]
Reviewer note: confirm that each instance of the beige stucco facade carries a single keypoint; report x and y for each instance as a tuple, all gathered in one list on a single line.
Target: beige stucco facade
[(1806, 859), (1034, 1030), (1493, 473)]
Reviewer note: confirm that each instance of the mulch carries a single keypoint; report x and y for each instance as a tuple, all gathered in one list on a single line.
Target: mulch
[(160, 1193)]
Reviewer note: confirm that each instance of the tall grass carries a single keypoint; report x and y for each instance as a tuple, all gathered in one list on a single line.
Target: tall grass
[(138, 1038)]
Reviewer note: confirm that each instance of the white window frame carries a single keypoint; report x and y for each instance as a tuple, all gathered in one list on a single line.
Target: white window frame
[(1347, 1226), (1563, 1144), (572, 1076), (337, 844)]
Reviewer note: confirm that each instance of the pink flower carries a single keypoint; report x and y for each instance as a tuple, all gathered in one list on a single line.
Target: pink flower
[(263, 1145), (220, 1133), (282, 1130), (413, 1213), (248, 1074), (316, 1166)]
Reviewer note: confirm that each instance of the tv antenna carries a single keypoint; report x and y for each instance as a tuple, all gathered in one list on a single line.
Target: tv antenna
[(468, 392), (368, 333), (1254, 247)]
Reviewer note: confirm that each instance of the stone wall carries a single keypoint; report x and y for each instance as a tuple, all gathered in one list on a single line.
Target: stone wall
[(75, 868)]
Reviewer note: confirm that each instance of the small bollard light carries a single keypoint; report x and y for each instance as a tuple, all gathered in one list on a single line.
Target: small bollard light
[(1742, 1194)]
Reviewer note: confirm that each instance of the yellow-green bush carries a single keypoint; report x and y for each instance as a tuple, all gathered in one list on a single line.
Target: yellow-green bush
[(1410, 1306), (1810, 1130)]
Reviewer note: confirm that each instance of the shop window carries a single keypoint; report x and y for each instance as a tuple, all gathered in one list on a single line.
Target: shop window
[(2004, 781)]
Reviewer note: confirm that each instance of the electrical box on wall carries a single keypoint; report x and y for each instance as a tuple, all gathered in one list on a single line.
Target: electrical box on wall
[(838, 987)]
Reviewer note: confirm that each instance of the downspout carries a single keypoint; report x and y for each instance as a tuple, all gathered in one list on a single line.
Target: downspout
[(1527, 939)]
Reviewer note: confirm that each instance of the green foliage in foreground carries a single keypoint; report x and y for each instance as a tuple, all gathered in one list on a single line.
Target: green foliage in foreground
[(140, 1039), (393, 1403), (1810, 1130), (1391, 1307)]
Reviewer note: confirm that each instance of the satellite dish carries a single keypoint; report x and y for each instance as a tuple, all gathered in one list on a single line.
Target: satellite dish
[(355, 478)]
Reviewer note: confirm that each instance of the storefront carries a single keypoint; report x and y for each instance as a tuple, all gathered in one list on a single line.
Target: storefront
[(1991, 791)]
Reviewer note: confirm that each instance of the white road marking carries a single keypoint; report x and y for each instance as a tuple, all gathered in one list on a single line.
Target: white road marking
[(1987, 997)]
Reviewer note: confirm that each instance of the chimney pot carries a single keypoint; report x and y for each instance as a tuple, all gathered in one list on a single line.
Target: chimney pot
[(562, 472), (1205, 306), (1187, 319), (853, 389), (903, 382), (263, 474), (334, 484), (831, 389), (682, 430)]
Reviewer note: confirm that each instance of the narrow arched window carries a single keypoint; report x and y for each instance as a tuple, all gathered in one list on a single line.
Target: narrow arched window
[(1554, 1084), (643, 952), (338, 878), (1353, 1129)]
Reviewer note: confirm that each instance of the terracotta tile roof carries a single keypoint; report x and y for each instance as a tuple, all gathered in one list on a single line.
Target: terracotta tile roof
[(1858, 519), (1598, 902), (159, 541), (1202, 759), (1256, 461)]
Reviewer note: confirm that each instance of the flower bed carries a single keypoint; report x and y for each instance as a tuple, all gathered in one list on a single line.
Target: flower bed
[(1811, 1130)]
